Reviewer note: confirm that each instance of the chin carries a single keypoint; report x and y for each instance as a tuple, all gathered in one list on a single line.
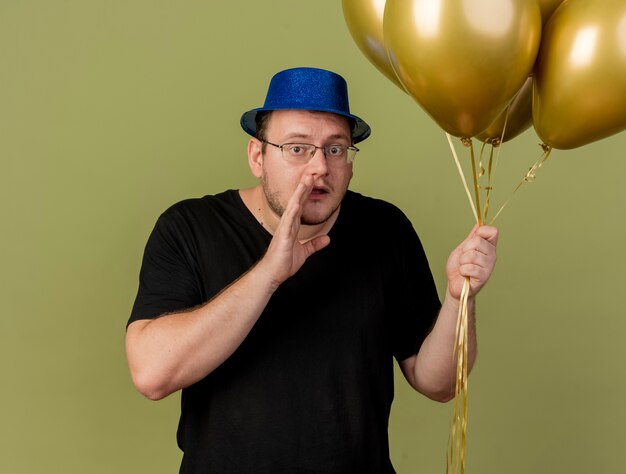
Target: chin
[(317, 218), (312, 222)]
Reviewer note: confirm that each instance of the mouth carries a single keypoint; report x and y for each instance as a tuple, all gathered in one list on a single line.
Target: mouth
[(319, 191)]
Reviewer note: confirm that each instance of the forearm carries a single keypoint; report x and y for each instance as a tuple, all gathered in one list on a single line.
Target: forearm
[(435, 364), (174, 351), (432, 371)]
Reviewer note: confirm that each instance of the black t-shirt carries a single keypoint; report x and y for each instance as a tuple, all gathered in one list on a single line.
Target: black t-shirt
[(311, 386)]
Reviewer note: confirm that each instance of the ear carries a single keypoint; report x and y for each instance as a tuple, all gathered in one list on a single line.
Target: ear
[(255, 157)]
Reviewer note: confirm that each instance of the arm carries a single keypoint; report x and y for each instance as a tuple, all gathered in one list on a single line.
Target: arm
[(432, 370), (174, 351)]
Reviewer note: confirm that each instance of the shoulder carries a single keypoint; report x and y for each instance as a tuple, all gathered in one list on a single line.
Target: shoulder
[(373, 210), (194, 210), (212, 217), (379, 220), (201, 204), (194, 216)]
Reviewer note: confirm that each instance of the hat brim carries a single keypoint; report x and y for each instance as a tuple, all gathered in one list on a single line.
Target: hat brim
[(360, 129)]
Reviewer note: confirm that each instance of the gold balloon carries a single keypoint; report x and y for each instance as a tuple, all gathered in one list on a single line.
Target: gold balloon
[(580, 76), (547, 8), (462, 60), (515, 119), (365, 22)]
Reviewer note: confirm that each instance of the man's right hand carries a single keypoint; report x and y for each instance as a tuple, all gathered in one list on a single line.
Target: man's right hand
[(286, 254)]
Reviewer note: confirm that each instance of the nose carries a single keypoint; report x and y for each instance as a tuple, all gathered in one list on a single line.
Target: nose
[(318, 164)]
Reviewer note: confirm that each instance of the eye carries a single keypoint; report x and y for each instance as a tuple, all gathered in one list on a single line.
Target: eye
[(297, 150), (335, 150)]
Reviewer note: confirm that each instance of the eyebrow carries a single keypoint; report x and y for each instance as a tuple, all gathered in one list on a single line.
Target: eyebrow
[(304, 136)]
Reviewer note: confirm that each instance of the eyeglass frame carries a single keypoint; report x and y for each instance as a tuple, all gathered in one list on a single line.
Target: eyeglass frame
[(315, 148)]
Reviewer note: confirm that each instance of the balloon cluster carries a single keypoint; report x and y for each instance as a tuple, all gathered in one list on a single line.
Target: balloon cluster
[(491, 68)]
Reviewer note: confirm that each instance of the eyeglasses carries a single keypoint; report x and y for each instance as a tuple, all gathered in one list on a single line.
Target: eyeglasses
[(301, 153)]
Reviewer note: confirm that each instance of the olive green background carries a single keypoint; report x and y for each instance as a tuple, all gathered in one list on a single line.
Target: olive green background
[(110, 111)]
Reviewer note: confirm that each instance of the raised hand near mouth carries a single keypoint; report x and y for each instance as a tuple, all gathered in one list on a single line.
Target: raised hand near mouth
[(286, 254)]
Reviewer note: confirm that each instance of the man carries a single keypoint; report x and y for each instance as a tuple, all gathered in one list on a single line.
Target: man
[(278, 309)]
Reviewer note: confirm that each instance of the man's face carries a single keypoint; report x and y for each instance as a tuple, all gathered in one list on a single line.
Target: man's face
[(280, 176)]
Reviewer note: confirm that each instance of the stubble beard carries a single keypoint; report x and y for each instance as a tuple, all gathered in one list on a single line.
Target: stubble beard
[(273, 200)]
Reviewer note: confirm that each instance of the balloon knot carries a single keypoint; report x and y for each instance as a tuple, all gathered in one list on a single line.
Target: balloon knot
[(544, 147)]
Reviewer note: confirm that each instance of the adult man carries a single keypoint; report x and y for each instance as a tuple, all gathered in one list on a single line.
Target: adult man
[(284, 304)]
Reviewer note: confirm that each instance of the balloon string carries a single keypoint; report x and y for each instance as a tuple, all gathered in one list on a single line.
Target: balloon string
[(481, 167), (489, 187), (458, 166), (455, 460), (468, 142), (529, 177), (496, 143)]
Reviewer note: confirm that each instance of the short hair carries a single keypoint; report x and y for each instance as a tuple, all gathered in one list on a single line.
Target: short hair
[(262, 120)]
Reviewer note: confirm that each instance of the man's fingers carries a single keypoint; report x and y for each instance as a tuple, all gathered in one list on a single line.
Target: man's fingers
[(298, 198), (293, 212), (318, 243), (483, 240), (471, 270), (302, 191), (488, 233), (474, 257), (307, 181)]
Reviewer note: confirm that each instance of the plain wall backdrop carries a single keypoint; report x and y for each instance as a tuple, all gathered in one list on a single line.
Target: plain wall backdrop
[(110, 111)]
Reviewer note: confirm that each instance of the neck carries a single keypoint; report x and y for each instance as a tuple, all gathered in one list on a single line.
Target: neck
[(308, 232)]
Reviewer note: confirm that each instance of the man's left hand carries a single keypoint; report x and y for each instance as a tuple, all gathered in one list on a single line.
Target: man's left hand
[(475, 258)]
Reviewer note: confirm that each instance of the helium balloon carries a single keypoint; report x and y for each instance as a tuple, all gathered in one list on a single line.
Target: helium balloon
[(580, 77), (515, 119), (462, 60), (547, 8), (365, 23)]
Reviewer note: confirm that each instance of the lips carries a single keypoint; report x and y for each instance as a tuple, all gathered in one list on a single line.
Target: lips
[(318, 191)]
